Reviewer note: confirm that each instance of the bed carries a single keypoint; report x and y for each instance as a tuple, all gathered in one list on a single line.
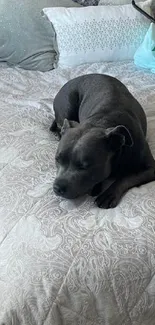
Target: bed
[(68, 262)]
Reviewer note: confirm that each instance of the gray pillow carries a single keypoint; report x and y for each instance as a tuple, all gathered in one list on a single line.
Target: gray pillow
[(87, 2), (25, 36)]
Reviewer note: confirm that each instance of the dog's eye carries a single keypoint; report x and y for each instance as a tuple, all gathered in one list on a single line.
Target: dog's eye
[(81, 166)]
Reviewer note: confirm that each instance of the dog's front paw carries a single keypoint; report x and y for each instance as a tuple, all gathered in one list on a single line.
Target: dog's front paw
[(109, 199)]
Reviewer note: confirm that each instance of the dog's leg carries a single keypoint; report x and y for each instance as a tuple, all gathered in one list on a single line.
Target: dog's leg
[(101, 187), (111, 197), (54, 126), (55, 129)]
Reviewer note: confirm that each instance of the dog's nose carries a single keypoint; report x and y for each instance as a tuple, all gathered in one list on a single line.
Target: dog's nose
[(59, 189)]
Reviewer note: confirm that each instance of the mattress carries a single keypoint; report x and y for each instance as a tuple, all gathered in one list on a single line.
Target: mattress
[(69, 262)]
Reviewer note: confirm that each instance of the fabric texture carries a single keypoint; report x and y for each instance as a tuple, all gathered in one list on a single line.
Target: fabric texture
[(145, 55), (26, 38), (124, 2), (68, 262), (87, 2), (116, 2), (97, 34)]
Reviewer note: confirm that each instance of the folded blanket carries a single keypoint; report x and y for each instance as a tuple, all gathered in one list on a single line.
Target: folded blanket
[(145, 55)]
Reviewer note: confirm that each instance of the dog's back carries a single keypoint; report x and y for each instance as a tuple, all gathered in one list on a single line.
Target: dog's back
[(100, 95)]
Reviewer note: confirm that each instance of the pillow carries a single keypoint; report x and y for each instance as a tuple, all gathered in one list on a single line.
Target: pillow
[(26, 39), (97, 34), (87, 2), (145, 54)]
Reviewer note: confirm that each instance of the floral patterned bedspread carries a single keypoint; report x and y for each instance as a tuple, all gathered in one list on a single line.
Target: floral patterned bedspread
[(68, 262)]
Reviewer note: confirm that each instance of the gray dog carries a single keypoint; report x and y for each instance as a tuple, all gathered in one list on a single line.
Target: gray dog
[(103, 149)]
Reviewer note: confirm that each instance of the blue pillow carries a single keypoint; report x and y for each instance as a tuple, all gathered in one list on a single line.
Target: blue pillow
[(145, 55)]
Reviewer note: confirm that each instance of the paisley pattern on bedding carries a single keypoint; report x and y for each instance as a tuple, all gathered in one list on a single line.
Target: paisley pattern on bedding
[(68, 262)]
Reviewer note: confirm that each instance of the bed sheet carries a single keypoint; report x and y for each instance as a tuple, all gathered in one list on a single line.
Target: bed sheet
[(68, 262)]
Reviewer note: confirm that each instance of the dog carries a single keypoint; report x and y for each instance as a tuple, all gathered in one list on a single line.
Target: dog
[(103, 149)]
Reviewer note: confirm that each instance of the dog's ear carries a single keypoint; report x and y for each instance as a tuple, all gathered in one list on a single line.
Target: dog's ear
[(67, 125), (118, 137)]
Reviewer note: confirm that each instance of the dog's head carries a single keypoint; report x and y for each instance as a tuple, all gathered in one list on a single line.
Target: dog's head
[(84, 157)]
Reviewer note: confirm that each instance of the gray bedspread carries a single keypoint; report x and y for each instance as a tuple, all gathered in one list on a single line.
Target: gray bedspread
[(68, 262)]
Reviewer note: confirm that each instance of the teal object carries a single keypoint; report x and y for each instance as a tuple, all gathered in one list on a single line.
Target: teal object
[(145, 55)]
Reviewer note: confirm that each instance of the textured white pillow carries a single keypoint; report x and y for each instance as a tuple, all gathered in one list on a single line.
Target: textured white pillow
[(97, 34)]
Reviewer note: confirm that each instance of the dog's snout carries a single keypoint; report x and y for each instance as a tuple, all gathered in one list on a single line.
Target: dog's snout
[(60, 188)]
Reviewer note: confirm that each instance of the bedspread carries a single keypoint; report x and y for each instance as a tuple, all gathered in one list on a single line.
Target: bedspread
[(68, 262)]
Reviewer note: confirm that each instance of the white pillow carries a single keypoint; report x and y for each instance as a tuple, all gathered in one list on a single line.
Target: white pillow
[(97, 34)]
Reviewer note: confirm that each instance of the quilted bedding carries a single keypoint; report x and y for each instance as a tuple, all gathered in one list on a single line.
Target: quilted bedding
[(68, 262)]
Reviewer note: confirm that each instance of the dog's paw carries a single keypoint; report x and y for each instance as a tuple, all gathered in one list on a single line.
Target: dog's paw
[(109, 199)]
